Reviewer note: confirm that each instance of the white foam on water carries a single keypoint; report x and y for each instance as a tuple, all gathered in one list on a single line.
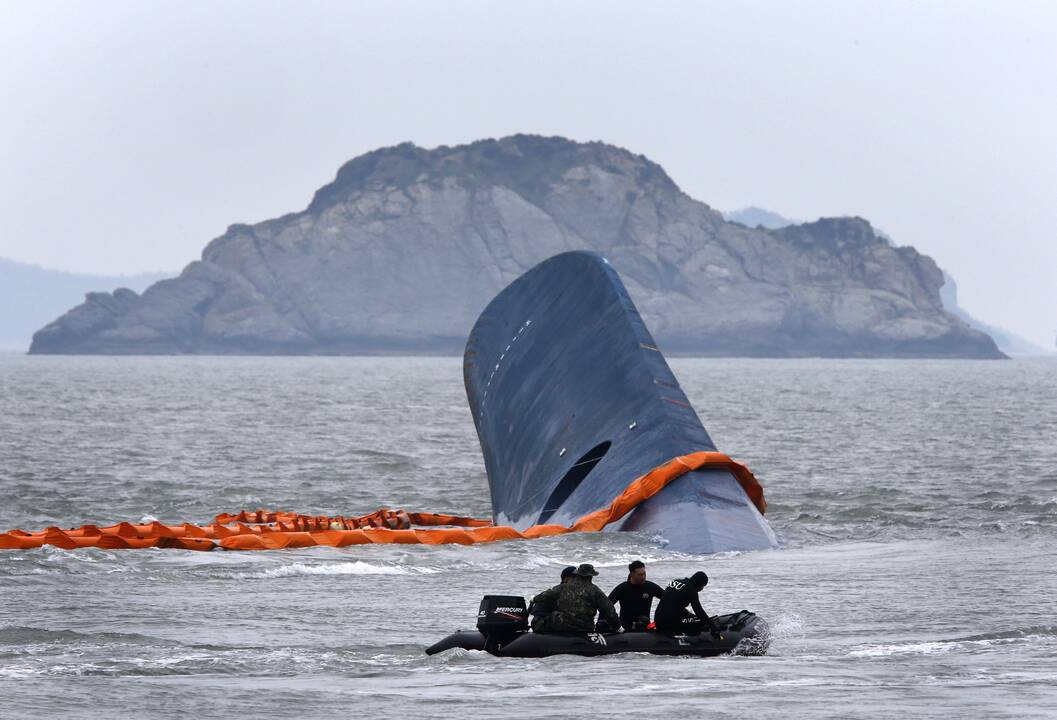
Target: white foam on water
[(801, 682), (357, 567), (17, 673), (927, 648), (938, 646), (785, 625)]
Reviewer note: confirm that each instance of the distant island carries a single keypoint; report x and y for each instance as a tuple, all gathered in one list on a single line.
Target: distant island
[(406, 246), (753, 216), (1008, 342)]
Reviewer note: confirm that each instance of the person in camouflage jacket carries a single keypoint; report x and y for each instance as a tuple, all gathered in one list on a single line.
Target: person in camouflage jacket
[(572, 606)]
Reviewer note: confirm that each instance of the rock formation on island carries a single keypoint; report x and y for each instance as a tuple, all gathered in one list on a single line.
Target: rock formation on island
[(406, 246), (31, 296)]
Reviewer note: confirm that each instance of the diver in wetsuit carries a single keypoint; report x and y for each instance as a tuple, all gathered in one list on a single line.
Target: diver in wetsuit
[(672, 616), (635, 597), (575, 604)]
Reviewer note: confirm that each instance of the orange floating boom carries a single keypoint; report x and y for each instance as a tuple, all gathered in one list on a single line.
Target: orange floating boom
[(266, 530)]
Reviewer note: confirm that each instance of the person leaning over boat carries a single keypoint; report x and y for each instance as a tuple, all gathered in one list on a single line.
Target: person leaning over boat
[(672, 615), (635, 597), (575, 604)]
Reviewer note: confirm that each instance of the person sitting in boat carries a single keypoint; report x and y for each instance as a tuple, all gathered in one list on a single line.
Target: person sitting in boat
[(672, 615), (575, 604), (635, 597), (539, 610)]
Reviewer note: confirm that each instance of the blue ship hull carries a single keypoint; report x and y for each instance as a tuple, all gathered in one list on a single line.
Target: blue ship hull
[(572, 401)]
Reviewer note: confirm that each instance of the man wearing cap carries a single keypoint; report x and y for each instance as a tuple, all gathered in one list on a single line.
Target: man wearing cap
[(538, 611), (672, 615), (575, 604)]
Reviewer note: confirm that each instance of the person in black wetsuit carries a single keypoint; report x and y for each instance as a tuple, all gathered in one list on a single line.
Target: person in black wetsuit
[(672, 615), (635, 597)]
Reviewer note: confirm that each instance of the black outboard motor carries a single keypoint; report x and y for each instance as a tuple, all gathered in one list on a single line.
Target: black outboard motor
[(501, 618)]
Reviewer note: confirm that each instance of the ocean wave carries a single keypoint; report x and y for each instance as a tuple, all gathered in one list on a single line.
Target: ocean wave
[(357, 567), (28, 635), (180, 660), (925, 648), (973, 642), (1039, 631)]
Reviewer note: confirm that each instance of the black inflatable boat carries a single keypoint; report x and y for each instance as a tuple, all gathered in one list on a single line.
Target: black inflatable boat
[(503, 631)]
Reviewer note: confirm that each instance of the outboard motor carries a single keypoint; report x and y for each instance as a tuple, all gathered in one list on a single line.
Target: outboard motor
[(501, 618)]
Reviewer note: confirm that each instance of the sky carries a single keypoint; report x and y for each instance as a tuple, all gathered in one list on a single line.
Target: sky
[(132, 133)]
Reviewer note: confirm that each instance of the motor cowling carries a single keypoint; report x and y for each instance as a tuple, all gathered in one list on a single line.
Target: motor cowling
[(502, 616)]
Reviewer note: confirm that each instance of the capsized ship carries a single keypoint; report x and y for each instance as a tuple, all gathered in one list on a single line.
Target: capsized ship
[(573, 400)]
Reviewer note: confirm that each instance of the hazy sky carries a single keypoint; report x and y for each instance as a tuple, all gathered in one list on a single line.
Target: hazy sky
[(135, 132)]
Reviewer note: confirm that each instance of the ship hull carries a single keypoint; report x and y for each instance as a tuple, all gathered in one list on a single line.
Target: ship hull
[(572, 400)]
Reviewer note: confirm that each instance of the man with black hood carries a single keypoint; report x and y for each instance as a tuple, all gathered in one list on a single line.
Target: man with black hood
[(672, 615), (575, 604)]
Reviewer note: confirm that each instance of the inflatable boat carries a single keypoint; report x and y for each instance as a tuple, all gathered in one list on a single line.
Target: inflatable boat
[(503, 631)]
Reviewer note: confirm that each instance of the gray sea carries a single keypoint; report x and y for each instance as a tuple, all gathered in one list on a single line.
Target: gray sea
[(916, 502)]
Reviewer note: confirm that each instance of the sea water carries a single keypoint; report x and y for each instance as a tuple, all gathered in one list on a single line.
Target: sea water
[(916, 502)]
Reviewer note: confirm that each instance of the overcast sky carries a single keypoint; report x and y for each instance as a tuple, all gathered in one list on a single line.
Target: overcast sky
[(135, 132)]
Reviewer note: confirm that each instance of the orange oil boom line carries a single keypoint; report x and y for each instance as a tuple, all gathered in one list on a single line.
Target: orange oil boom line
[(265, 530)]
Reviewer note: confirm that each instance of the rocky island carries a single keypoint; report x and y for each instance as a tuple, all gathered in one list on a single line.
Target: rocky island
[(404, 248)]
